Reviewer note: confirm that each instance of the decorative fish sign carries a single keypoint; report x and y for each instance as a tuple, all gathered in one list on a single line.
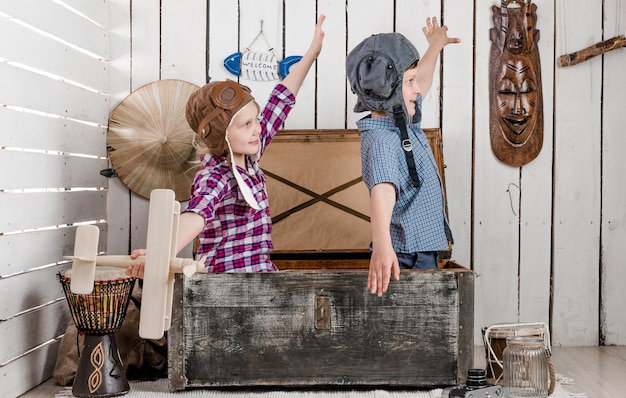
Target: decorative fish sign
[(259, 66)]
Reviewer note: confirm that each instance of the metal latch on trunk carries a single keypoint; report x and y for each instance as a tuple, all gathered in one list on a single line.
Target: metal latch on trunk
[(322, 312)]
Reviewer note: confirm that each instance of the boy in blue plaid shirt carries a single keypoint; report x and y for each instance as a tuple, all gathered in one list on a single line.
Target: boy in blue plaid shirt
[(409, 224)]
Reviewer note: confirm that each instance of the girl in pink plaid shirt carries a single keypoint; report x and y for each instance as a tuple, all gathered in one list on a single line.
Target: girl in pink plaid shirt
[(228, 209)]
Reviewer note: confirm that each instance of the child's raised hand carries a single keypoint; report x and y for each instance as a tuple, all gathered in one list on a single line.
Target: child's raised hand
[(437, 35), (298, 72), (318, 37)]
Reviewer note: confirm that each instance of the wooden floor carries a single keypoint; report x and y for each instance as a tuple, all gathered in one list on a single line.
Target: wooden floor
[(599, 372)]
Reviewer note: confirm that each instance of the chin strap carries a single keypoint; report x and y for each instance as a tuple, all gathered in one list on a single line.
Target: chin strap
[(245, 190), (406, 144)]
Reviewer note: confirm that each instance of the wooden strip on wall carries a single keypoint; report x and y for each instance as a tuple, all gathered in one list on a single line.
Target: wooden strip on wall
[(577, 178), (219, 46), (536, 192), (383, 11), (25, 211), (52, 245), (457, 125), (26, 130), (613, 273), (120, 82), (38, 170), (300, 19), (146, 68), (496, 204), (331, 80), (186, 62)]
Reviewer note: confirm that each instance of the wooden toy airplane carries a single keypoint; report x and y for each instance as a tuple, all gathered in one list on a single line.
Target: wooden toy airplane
[(160, 265)]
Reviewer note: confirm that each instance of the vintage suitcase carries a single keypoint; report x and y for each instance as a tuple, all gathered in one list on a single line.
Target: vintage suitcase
[(314, 323)]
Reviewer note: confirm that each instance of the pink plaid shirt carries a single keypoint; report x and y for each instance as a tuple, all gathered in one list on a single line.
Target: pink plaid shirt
[(237, 238)]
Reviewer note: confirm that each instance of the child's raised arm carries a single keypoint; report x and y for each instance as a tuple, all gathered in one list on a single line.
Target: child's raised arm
[(298, 72), (437, 37)]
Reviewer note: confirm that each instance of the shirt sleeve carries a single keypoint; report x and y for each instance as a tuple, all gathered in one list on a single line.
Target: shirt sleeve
[(384, 163), (206, 194), (273, 116)]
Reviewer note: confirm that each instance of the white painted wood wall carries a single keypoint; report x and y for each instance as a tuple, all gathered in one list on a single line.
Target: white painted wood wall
[(54, 96), (546, 240)]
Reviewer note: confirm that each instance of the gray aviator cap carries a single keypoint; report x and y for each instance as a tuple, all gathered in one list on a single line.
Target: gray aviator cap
[(374, 69)]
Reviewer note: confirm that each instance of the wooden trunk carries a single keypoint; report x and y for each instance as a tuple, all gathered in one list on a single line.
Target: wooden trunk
[(314, 323), (310, 328)]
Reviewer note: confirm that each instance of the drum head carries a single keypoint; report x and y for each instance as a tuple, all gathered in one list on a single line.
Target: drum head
[(104, 274), (507, 330)]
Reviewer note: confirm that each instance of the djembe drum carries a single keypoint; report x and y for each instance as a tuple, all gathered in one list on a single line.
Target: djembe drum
[(98, 315)]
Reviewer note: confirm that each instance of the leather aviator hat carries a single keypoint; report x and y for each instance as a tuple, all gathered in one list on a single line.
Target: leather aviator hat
[(210, 110)]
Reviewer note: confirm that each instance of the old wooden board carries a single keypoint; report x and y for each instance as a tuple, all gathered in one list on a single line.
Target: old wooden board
[(307, 328)]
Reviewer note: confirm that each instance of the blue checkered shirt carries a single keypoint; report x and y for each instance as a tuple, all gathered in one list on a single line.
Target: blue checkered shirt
[(418, 221)]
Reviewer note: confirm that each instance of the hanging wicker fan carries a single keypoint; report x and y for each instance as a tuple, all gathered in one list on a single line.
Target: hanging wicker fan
[(149, 141)]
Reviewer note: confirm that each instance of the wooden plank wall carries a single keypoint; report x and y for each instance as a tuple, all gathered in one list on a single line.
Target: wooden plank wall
[(545, 240), (53, 116)]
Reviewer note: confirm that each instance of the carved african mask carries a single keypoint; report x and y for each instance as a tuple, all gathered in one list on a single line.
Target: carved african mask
[(515, 95)]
